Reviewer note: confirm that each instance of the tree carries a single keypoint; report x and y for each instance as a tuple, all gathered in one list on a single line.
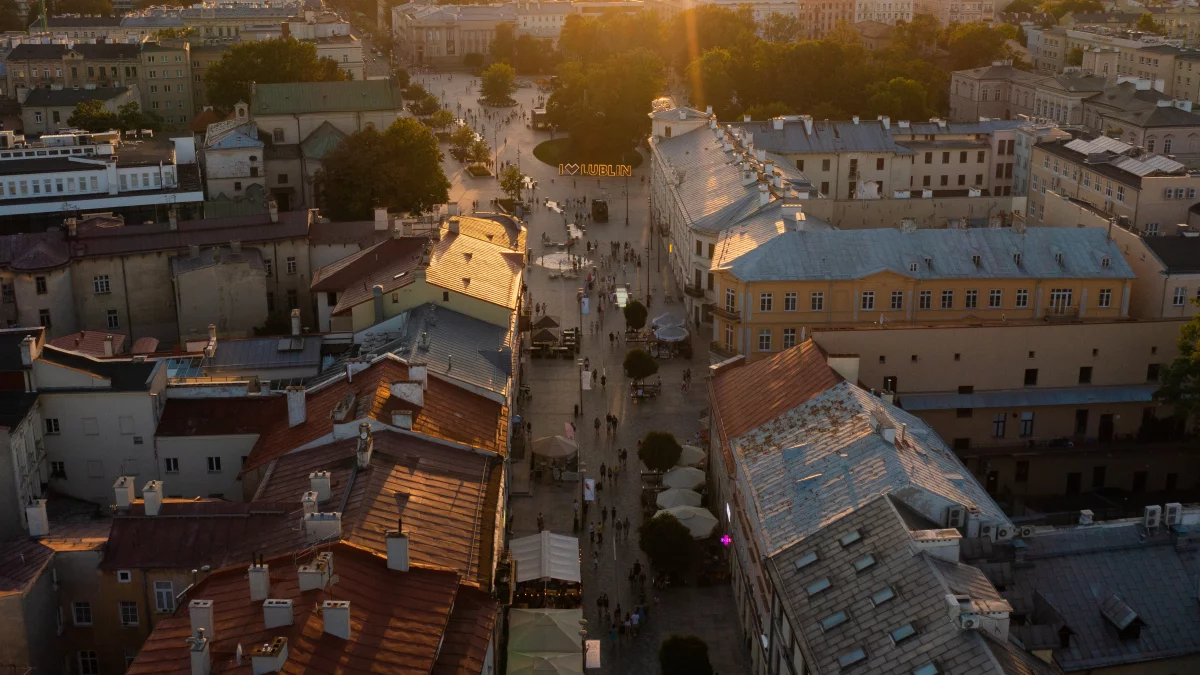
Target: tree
[(765, 111), (82, 7), (603, 105), (639, 364), (473, 60), (93, 116), (440, 119), (684, 655), (1075, 56), (1022, 6), (973, 44), (266, 62), (498, 83), (1180, 381), (635, 314), (667, 543), (659, 451), (10, 17), (402, 77), (780, 27), (711, 82), (504, 45), (173, 33), (511, 182), (460, 142), (1146, 24), (479, 153), (130, 116), (398, 168), (424, 106), (900, 98)]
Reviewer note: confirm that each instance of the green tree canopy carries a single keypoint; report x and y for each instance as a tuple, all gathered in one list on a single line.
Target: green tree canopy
[(781, 27), (604, 105), (511, 182), (424, 106), (1023, 6), (130, 117), (639, 364), (711, 80), (10, 17), (266, 62), (659, 451), (440, 119), (635, 314), (900, 98), (1146, 23), (398, 168), (461, 140), (480, 152), (667, 543), (498, 83), (684, 655), (765, 111), (92, 116), (503, 48), (1180, 381)]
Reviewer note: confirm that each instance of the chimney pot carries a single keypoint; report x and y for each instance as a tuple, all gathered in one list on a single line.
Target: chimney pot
[(295, 322), (337, 618), (201, 614), (277, 612), (152, 498), (200, 654), (319, 485), (123, 491), (310, 502), (35, 516), (260, 582)]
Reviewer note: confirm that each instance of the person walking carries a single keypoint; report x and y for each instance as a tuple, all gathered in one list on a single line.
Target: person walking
[(604, 515), (591, 531), (595, 560), (541, 522), (600, 534)]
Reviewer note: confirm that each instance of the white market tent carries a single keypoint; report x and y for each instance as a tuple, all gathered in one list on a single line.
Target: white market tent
[(690, 456), (546, 555), (544, 641)]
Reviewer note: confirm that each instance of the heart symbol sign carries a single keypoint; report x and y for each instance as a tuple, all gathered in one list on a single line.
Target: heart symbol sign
[(571, 169)]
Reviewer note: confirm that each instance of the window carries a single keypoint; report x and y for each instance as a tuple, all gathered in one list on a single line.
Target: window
[(44, 317), (89, 662), (998, 423), (766, 301), (294, 302), (729, 300), (883, 595), (171, 464), (902, 633), (100, 284), (926, 300), (817, 301), (124, 576), (1026, 424), (83, 613), (789, 338), (1060, 300), (1180, 296), (269, 266), (972, 300), (947, 299), (946, 157), (897, 300), (833, 621), (277, 135), (1022, 298), (879, 164), (214, 464), (851, 658), (929, 158), (52, 425), (1105, 298), (825, 165), (789, 302), (800, 164), (37, 117), (818, 586), (237, 184), (1121, 193), (164, 597), (270, 301), (39, 283), (850, 538), (867, 302), (58, 469), (129, 613), (806, 560), (1152, 372), (113, 320), (864, 563), (1085, 375), (764, 340), (1031, 376)]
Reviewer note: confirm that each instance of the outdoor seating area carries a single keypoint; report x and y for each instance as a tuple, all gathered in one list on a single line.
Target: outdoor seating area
[(548, 575)]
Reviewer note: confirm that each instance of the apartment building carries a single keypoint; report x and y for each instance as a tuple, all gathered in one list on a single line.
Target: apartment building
[(884, 13), (66, 66), (669, 9), (1168, 269), (24, 469), (818, 18), (46, 111), (444, 34), (950, 11), (998, 91), (165, 83), (203, 56), (233, 157), (1149, 193)]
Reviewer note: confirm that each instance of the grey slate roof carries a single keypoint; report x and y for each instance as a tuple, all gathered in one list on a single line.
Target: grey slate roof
[(265, 352), (760, 227), (1180, 255), (71, 97), (1074, 571), (231, 134), (324, 97), (123, 374), (711, 191), (1158, 116), (1013, 398), (823, 460), (827, 137), (856, 254)]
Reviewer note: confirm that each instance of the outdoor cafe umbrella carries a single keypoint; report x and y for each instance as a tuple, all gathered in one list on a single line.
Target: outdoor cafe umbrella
[(554, 447), (690, 456), (685, 477), (546, 321), (544, 335), (667, 320), (699, 521), (671, 333), (675, 497)]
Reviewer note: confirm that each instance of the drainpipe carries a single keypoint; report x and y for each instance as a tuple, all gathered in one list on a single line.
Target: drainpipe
[(303, 168)]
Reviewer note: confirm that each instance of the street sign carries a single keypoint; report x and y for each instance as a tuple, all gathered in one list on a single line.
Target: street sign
[(584, 305), (589, 489)]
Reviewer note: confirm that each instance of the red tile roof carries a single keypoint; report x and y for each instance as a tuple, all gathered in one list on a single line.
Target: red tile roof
[(90, 342), (446, 497), (467, 634), (449, 413), (378, 264), (21, 562), (398, 620), (744, 397)]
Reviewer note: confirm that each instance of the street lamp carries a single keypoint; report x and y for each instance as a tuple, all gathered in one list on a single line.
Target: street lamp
[(627, 202), (583, 642)]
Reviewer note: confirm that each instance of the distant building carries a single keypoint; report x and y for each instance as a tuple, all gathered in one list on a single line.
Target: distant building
[(951, 11), (233, 157), (874, 35), (444, 34), (46, 111)]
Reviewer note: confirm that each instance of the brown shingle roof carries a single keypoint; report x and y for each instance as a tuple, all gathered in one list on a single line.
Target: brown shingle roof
[(21, 561), (398, 620), (467, 635), (217, 416), (90, 342), (747, 396), (378, 264)]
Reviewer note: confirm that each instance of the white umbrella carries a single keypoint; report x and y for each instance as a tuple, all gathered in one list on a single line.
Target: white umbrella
[(690, 456), (685, 477), (554, 447), (667, 320), (698, 521), (673, 497)]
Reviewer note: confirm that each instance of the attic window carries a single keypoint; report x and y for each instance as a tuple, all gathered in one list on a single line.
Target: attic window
[(927, 669), (864, 563), (806, 560), (467, 256), (833, 621), (902, 633), (912, 267), (883, 595), (124, 576), (929, 262), (851, 537), (852, 658), (818, 586), (1105, 261), (1058, 258), (1017, 259)]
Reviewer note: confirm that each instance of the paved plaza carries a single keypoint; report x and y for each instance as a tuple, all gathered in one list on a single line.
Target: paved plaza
[(708, 612)]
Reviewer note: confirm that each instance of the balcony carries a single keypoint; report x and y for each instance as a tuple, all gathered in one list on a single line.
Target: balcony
[(727, 314), (722, 351), (693, 290)]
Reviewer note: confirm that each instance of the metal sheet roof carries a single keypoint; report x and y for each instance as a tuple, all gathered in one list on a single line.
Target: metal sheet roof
[(266, 352), (322, 97), (1011, 398)]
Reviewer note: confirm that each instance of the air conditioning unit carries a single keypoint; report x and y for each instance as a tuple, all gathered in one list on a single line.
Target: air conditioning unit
[(985, 531), (1003, 533), (968, 621), (1152, 517), (1174, 514), (956, 516), (1026, 531)]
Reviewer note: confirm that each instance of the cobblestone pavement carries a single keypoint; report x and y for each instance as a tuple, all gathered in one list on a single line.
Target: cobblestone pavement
[(708, 612)]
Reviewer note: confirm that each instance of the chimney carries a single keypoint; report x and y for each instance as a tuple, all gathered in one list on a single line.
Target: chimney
[(337, 617), (769, 167), (152, 497), (708, 111), (193, 251), (745, 118), (201, 660), (777, 123), (397, 548), (381, 218), (276, 613), (887, 122), (855, 119), (260, 581), (123, 491), (419, 372), (761, 155), (173, 218), (749, 177), (108, 345), (409, 392), (764, 195), (297, 405), (1086, 517), (35, 517), (315, 575), (365, 443), (942, 544), (29, 350), (377, 291), (235, 246), (212, 332), (318, 482), (309, 502), (295, 322), (323, 526), (201, 614), (808, 124), (72, 227), (682, 114), (273, 209), (269, 657), (452, 226)]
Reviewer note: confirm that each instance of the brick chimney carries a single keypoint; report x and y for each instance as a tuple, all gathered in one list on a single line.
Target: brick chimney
[(397, 548)]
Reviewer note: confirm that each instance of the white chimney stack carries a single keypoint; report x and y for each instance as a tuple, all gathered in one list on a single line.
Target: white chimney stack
[(323, 526), (269, 657), (297, 405), (35, 516), (1086, 517), (682, 114), (397, 549), (315, 575), (295, 322), (29, 350), (409, 392), (419, 372), (201, 614), (276, 613), (764, 195), (260, 581), (309, 502), (337, 617), (152, 498), (777, 123), (108, 345), (943, 544), (201, 660), (123, 492), (319, 482)]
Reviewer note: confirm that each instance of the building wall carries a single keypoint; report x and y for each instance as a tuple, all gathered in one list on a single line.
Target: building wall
[(57, 299), (296, 130), (202, 57), (230, 172), (283, 285), (22, 470), (1155, 293), (194, 479), (231, 295), (79, 580), (49, 119), (419, 293), (165, 83), (140, 292)]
